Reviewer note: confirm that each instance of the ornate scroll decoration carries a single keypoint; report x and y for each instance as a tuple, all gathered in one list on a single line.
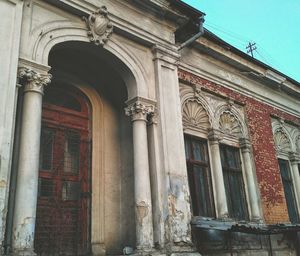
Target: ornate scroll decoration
[(229, 124), (32, 80), (140, 111), (194, 114), (282, 141), (99, 26), (298, 144)]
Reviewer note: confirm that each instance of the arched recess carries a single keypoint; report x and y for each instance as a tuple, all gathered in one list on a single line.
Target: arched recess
[(128, 65), (101, 146), (98, 78)]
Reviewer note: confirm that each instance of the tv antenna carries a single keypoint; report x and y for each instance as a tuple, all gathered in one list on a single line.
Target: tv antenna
[(251, 48)]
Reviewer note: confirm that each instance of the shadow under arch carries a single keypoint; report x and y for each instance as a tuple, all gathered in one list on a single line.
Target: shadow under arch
[(91, 59)]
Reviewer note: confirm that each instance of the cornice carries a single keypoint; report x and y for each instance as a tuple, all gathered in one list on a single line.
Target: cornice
[(253, 71), (232, 85), (84, 8), (40, 68)]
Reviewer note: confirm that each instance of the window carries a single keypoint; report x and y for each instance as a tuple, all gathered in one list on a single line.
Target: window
[(71, 152), (199, 177), (233, 181), (287, 182), (46, 149)]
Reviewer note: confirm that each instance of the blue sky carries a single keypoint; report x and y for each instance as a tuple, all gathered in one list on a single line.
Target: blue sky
[(273, 25)]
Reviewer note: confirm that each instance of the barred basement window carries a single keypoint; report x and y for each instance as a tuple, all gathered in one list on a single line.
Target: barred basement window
[(288, 190), (234, 184), (199, 177)]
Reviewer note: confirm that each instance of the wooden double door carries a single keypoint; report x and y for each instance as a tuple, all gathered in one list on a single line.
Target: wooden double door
[(63, 204)]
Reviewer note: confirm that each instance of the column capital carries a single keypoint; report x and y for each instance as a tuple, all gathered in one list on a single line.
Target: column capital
[(294, 157), (140, 109), (245, 144), (33, 80), (214, 135), (169, 55)]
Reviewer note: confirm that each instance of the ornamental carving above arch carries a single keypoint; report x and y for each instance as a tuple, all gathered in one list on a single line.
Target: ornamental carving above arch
[(282, 141), (230, 125), (194, 114), (298, 144), (99, 26)]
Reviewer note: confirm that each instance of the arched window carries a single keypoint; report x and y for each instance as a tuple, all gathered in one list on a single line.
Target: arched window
[(219, 157)]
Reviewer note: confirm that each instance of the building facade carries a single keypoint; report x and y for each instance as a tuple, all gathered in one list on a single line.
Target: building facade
[(128, 129)]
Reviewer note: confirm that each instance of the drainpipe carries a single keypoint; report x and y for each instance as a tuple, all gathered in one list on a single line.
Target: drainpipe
[(196, 36)]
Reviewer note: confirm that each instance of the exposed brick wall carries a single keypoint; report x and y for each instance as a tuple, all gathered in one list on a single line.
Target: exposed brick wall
[(259, 122)]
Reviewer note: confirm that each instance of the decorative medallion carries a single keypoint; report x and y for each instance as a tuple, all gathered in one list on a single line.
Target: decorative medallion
[(282, 141), (99, 25), (195, 115), (229, 124)]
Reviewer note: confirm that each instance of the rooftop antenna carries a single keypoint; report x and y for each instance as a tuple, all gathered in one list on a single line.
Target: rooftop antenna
[(251, 48)]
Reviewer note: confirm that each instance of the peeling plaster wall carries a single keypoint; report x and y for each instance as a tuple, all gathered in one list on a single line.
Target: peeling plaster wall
[(11, 17), (259, 121)]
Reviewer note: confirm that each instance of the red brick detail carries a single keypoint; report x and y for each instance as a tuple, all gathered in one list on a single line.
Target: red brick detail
[(260, 128)]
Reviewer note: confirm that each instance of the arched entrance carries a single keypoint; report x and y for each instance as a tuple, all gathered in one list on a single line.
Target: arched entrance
[(63, 207)]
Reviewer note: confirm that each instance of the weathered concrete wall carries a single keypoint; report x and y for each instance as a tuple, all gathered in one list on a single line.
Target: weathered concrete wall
[(259, 121), (11, 13)]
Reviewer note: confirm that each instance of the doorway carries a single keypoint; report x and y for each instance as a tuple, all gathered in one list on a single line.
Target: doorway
[(63, 204)]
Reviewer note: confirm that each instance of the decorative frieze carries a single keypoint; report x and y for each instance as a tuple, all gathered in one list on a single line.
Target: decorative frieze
[(99, 26), (202, 111), (32, 80)]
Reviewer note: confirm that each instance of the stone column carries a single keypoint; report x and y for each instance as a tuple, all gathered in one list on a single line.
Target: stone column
[(295, 160), (217, 173), (158, 182), (139, 110), (28, 169), (245, 146)]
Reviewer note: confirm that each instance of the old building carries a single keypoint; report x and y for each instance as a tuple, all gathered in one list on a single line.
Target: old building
[(127, 128)]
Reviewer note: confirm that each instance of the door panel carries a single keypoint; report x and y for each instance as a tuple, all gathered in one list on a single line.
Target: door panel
[(62, 225)]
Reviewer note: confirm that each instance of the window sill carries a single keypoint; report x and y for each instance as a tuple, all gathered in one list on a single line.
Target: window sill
[(242, 226)]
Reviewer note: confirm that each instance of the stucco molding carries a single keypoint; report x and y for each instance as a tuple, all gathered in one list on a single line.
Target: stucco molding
[(56, 32), (230, 120), (140, 109), (286, 137), (242, 85), (196, 111), (32, 80)]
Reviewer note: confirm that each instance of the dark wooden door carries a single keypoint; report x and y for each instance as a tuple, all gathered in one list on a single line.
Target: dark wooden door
[(62, 224)]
